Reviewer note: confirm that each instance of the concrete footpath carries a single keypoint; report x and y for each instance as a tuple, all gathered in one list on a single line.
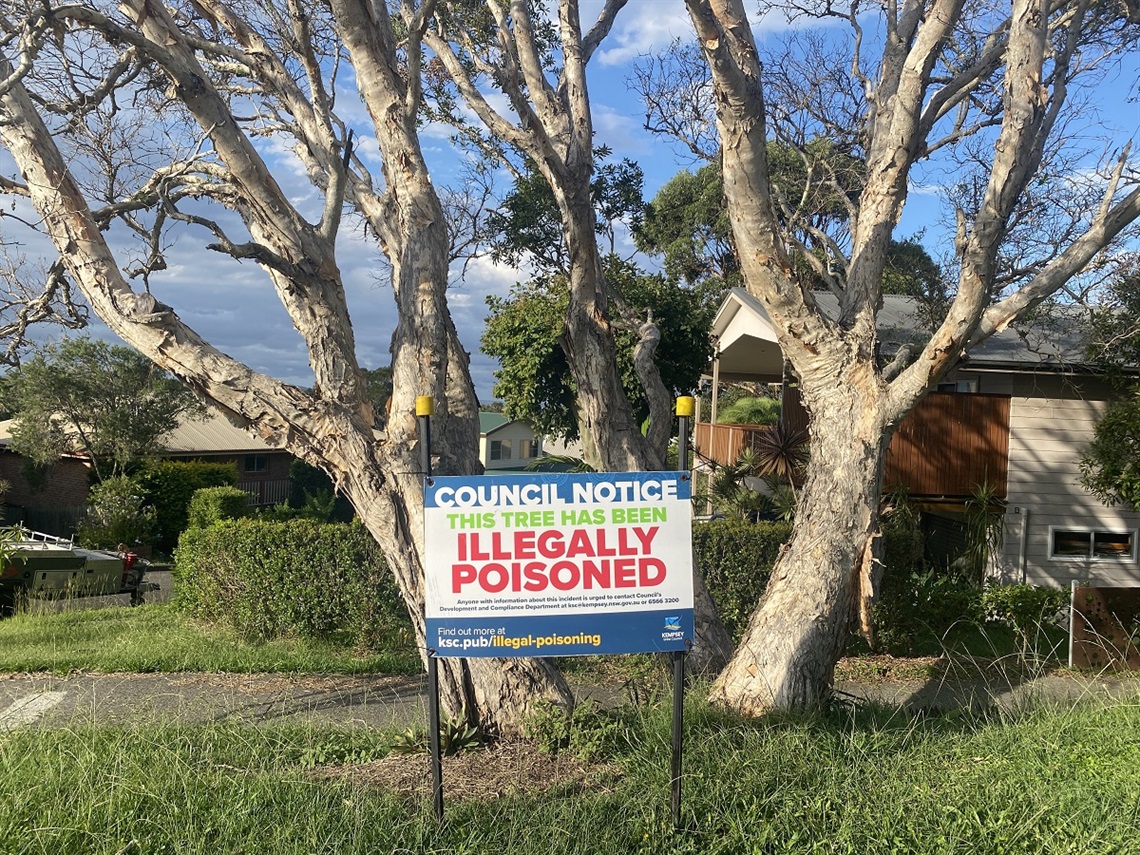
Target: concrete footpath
[(386, 702), (122, 699)]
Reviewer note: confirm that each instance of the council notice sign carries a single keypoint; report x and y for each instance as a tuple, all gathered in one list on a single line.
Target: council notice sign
[(559, 565)]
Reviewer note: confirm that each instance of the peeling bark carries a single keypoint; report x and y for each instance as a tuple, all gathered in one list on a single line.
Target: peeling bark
[(826, 573), (794, 638)]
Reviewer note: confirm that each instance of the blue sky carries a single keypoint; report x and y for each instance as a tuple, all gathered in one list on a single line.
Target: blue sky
[(233, 305)]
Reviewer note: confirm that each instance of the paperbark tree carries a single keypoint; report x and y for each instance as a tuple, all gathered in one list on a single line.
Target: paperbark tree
[(514, 49), (947, 73), (217, 76)]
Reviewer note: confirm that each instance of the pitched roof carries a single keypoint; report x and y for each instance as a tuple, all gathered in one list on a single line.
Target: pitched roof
[(212, 435), (491, 422), (1055, 341)]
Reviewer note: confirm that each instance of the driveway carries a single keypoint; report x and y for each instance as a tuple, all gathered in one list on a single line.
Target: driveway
[(164, 578)]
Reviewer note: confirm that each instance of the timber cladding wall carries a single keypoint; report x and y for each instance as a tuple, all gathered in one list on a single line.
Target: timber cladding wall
[(950, 445), (947, 447)]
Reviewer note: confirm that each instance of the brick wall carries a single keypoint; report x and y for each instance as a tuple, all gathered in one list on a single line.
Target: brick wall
[(65, 485)]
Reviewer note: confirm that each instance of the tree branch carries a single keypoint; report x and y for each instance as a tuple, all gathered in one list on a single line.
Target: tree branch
[(601, 28)]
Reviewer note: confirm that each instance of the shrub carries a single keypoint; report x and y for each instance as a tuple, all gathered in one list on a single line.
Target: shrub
[(915, 610), (1023, 608), (750, 411), (302, 578), (311, 492), (736, 558), (117, 513), (214, 504), (902, 542), (169, 485)]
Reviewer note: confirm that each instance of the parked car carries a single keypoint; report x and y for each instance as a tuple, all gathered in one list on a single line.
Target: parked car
[(49, 567)]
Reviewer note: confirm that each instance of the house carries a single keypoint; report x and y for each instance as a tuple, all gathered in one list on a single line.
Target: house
[(53, 501), (262, 470), (1015, 415), (507, 445), (56, 501)]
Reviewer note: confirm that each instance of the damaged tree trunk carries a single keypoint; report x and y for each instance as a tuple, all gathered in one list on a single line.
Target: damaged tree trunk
[(787, 656)]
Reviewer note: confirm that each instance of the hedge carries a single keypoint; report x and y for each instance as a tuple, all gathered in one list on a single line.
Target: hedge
[(736, 558), (169, 485), (299, 578), (213, 504)]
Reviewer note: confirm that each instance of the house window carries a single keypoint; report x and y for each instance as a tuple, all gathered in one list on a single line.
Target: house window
[(1091, 544), (256, 463), (500, 449), (528, 449), (962, 386)]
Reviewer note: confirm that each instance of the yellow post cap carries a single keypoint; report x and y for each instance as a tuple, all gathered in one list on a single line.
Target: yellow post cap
[(425, 405), (686, 406)]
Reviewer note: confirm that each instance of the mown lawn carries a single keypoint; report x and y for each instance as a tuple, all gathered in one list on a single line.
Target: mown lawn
[(158, 638), (1054, 781)]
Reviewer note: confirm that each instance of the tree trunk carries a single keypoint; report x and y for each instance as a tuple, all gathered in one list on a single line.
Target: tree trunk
[(604, 409), (555, 130), (787, 657), (328, 428)]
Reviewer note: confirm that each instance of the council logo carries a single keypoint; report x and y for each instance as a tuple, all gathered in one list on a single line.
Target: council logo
[(672, 623)]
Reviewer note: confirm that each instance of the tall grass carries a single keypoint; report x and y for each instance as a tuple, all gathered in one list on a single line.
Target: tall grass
[(1051, 781), (157, 638)]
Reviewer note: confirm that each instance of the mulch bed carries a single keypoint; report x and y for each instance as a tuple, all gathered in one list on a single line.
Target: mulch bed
[(505, 768)]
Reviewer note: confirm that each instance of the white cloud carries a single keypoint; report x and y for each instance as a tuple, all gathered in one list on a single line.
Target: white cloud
[(621, 129), (917, 189)]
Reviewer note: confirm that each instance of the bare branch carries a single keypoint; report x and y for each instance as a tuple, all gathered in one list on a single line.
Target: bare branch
[(524, 48), (497, 124), (601, 28)]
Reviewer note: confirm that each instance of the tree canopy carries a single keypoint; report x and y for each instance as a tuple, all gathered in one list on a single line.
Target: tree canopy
[(687, 224), (106, 402), (524, 329), (1110, 466), (526, 226)]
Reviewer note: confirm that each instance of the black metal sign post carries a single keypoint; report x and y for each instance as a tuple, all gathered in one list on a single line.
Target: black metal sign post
[(685, 408), (425, 407)]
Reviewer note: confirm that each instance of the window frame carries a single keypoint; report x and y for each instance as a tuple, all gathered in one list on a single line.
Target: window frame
[(1092, 555), (255, 469)]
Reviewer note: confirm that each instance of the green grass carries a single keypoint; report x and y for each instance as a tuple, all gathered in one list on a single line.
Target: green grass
[(158, 638), (1053, 781)]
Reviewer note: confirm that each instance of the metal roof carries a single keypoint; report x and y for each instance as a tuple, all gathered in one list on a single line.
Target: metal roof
[(212, 435), (491, 422), (1052, 341)]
